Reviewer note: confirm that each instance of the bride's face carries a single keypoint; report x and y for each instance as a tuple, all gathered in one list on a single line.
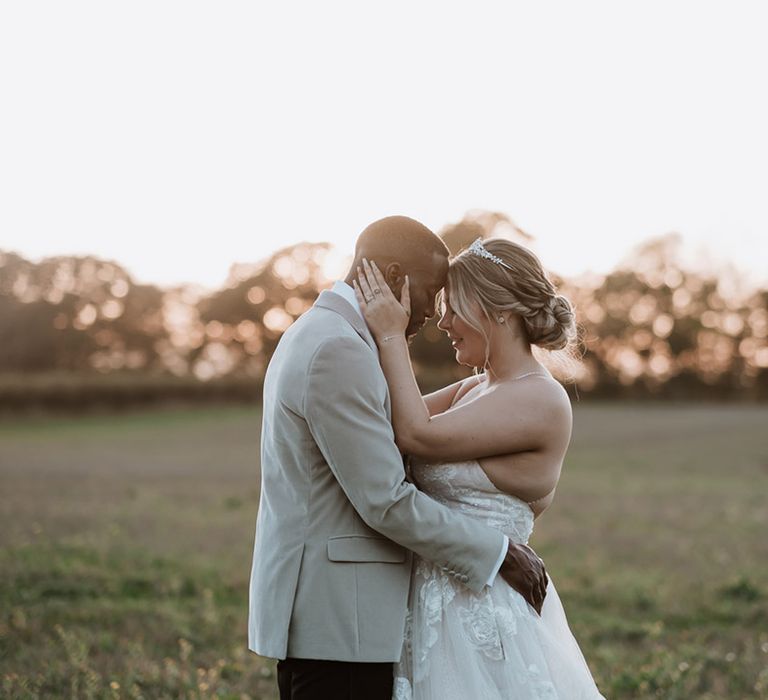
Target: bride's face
[(468, 343)]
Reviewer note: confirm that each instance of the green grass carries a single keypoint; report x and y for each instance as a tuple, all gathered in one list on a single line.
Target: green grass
[(125, 545)]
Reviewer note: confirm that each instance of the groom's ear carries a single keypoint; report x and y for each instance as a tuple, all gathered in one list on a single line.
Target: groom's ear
[(395, 276)]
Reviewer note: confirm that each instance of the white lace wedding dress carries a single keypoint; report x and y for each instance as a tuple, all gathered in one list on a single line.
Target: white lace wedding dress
[(460, 645)]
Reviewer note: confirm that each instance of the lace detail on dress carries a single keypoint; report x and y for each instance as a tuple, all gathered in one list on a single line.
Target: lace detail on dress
[(491, 645), (402, 689), (436, 591), (481, 628), (465, 487), (540, 688)]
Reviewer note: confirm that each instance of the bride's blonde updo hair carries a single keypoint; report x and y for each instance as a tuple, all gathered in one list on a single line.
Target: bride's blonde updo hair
[(525, 290)]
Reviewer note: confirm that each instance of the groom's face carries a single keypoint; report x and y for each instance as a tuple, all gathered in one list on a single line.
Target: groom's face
[(426, 280)]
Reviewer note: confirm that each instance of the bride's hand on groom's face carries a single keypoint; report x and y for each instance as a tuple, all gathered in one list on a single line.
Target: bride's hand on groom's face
[(385, 315), (524, 571)]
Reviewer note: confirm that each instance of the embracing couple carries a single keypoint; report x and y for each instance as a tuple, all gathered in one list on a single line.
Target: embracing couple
[(374, 580)]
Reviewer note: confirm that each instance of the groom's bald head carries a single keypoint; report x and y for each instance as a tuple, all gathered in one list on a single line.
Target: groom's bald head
[(402, 246), (399, 237)]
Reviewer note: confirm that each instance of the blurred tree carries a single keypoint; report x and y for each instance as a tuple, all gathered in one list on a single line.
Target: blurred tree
[(243, 322), (481, 224), (651, 327), (654, 325), (75, 313)]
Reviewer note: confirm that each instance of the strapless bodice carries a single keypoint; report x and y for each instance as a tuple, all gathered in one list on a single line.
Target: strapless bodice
[(465, 487)]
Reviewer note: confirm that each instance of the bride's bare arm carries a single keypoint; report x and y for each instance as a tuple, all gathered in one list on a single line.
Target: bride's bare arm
[(491, 424), (510, 442), (442, 399)]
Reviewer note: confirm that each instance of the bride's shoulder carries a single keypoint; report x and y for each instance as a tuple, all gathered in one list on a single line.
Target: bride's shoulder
[(540, 393)]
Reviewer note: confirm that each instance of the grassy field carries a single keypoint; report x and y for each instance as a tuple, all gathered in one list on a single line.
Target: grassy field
[(125, 545)]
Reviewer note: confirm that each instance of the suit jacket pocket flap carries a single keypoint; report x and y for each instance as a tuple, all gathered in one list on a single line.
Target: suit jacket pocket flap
[(365, 548)]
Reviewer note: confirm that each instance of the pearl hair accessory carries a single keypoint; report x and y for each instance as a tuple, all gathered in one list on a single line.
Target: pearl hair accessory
[(477, 248)]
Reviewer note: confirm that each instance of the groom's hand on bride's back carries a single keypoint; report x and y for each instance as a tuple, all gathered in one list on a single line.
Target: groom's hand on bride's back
[(524, 571)]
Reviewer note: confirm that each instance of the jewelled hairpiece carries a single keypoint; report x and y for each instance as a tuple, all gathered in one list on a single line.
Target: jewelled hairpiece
[(477, 248)]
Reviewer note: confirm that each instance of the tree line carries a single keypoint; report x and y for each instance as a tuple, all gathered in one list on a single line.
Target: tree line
[(651, 327)]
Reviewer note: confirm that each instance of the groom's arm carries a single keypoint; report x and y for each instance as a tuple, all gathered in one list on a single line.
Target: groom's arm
[(344, 409)]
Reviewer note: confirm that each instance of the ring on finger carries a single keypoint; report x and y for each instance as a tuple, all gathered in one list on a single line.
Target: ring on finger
[(377, 291)]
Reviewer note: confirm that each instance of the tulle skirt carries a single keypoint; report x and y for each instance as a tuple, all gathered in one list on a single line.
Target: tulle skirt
[(460, 645)]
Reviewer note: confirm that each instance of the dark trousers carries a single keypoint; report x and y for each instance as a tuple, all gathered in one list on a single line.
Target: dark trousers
[(308, 679)]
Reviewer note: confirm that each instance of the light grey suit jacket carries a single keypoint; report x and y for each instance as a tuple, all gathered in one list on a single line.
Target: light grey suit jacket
[(331, 561)]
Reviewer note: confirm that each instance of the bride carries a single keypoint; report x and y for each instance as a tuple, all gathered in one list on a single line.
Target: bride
[(491, 446)]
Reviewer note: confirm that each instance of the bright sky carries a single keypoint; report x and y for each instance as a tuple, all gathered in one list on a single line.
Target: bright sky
[(180, 137)]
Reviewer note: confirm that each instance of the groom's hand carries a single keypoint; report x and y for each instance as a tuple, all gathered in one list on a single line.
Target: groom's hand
[(525, 572)]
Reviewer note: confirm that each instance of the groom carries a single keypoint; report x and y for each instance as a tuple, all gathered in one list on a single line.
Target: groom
[(337, 520)]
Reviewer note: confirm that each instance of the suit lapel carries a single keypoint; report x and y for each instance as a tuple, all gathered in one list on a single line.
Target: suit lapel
[(334, 302)]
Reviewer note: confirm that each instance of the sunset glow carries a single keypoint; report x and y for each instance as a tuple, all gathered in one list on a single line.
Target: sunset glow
[(179, 138)]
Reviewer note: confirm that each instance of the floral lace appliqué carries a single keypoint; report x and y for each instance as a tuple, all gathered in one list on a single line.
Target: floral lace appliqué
[(402, 689), (540, 688), (435, 594), (460, 644), (480, 627)]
